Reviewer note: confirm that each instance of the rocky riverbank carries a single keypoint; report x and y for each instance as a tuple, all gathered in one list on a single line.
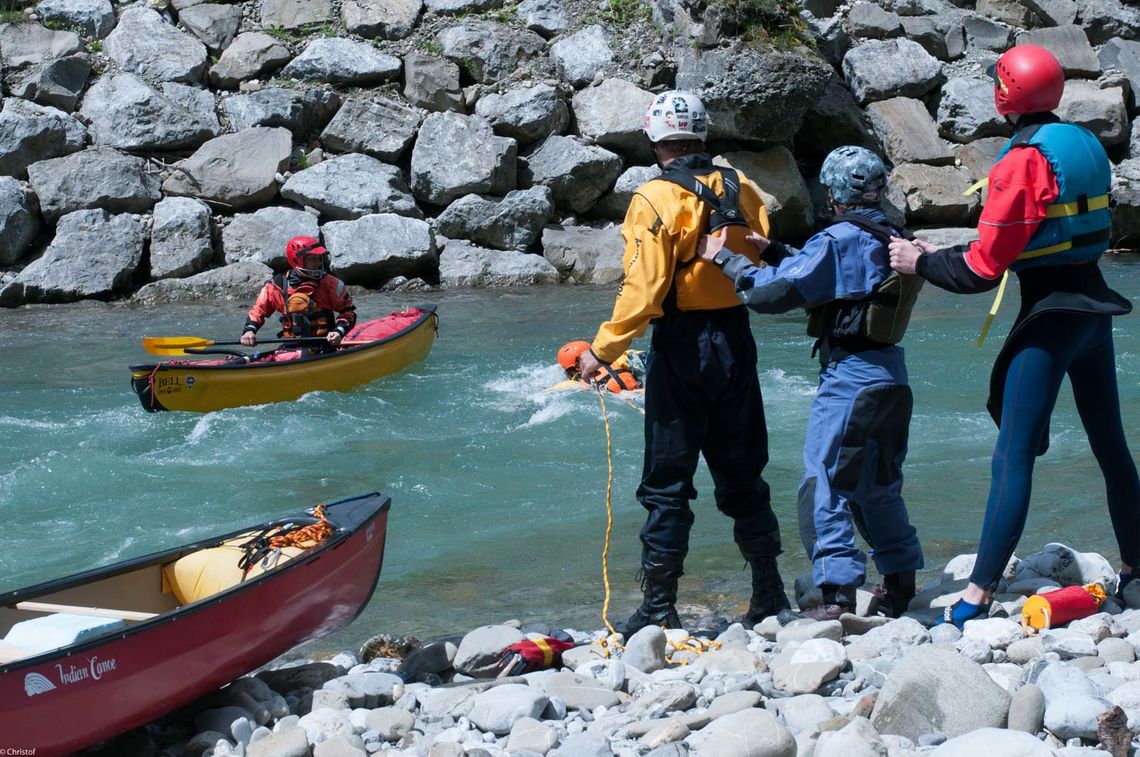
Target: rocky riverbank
[(861, 685), (167, 149)]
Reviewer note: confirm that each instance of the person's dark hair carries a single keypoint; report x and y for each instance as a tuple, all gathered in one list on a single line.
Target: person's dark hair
[(675, 148)]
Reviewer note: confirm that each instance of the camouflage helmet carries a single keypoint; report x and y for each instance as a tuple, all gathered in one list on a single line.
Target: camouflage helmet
[(853, 175)]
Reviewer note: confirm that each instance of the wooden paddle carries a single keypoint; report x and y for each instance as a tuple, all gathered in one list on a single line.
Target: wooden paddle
[(177, 345)]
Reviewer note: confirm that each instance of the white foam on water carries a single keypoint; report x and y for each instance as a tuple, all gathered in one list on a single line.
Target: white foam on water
[(788, 383), (8, 420)]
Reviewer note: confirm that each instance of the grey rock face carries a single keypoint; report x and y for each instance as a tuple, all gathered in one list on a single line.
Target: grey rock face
[(18, 224), (1126, 193), (577, 173), (608, 114), (752, 95), (891, 68), (215, 25), (457, 155), (236, 170), (95, 17), (381, 128), (371, 250), (926, 32), (240, 281), (527, 114), (614, 204), (351, 186), (1101, 110), (932, 195), (126, 113), (24, 45), (1054, 12), (462, 264), (581, 55), (301, 111), (458, 6), (1123, 55), (100, 177), (834, 119), (180, 238), (1105, 19), (432, 83), (261, 236), (30, 133), (908, 133), (747, 733), (937, 690), (1008, 12), (785, 193), (584, 255), (386, 19), (57, 84), (497, 709), (985, 34), (79, 263), (144, 44), (294, 14), (251, 54), (870, 21), (488, 50), (966, 111), (1069, 44), (543, 16), (513, 223), (343, 61)]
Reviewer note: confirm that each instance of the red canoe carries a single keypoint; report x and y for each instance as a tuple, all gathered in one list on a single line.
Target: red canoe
[(155, 633)]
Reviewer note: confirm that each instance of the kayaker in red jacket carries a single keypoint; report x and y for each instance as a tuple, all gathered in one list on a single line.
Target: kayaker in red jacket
[(312, 302)]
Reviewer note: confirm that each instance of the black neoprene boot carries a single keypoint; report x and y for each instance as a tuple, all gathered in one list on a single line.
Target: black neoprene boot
[(659, 575), (768, 596)]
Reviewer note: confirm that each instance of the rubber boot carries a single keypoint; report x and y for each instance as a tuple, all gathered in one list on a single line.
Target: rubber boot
[(768, 596), (898, 590), (659, 575)]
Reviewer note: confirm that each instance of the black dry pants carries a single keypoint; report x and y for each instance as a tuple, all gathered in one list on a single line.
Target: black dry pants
[(702, 396)]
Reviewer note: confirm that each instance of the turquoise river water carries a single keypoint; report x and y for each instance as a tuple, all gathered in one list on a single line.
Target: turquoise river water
[(498, 486)]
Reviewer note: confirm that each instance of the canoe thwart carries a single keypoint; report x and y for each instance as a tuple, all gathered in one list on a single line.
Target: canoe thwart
[(97, 612)]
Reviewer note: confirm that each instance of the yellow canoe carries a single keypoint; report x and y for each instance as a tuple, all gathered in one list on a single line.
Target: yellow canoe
[(200, 386)]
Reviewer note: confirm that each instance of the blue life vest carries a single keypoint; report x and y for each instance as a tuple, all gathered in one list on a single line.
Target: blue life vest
[(1076, 227)]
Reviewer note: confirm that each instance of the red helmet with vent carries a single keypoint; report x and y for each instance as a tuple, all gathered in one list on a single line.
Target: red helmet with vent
[(1027, 79), (297, 247)]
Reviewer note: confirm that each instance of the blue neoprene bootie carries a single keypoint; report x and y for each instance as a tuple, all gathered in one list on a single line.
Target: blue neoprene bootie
[(961, 611)]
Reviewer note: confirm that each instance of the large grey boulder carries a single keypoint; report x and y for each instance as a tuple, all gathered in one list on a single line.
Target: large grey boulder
[(386, 19), (456, 155), (1054, 12), (301, 111), (250, 55), (294, 14), (235, 170), (58, 83), (95, 17), (747, 733), (79, 264), (215, 25), (240, 281), (343, 61), (261, 235), (18, 223), (834, 119), (1126, 194), (1100, 109), (871, 21), (373, 249), (479, 650), (993, 741), (751, 95), (609, 115), (579, 56), (23, 45), (382, 128), (528, 114), (100, 177), (30, 133), (576, 172), (585, 255), (180, 238), (497, 709), (513, 223), (937, 690), (489, 51), (432, 83), (125, 112), (908, 133), (1104, 19), (614, 204), (462, 264), (785, 193), (545, 17), (878, 70), (1069, 44), (985, 34), (932, 195), (1124, 56), (144, 44), (966, 111), (351, 186)]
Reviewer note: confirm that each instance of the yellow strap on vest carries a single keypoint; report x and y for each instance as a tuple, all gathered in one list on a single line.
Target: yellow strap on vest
[(1065, 209), (993, 308), (547, 652), (976, 186)]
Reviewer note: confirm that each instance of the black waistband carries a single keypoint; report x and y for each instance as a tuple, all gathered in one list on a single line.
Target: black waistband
[(833, 349)]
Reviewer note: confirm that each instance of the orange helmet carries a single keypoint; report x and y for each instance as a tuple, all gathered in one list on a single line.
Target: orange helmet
[(1027, 79), (569, 353)]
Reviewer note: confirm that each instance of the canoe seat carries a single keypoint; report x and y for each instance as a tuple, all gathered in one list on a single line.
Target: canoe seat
[(57, 630), (207, 572)]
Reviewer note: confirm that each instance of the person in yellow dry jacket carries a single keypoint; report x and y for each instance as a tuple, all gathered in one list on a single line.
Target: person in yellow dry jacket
[(702, 392)]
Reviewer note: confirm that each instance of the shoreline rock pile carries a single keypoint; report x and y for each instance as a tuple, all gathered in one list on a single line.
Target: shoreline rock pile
[(167, 149), (855, 686)]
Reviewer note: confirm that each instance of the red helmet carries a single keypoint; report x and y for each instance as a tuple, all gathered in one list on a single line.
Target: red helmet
[(1027, 79), (569, 353), (298, 246)]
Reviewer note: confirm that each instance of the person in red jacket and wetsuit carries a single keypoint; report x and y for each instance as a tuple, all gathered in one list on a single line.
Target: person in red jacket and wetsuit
[(312, 302), (1047, 219)]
